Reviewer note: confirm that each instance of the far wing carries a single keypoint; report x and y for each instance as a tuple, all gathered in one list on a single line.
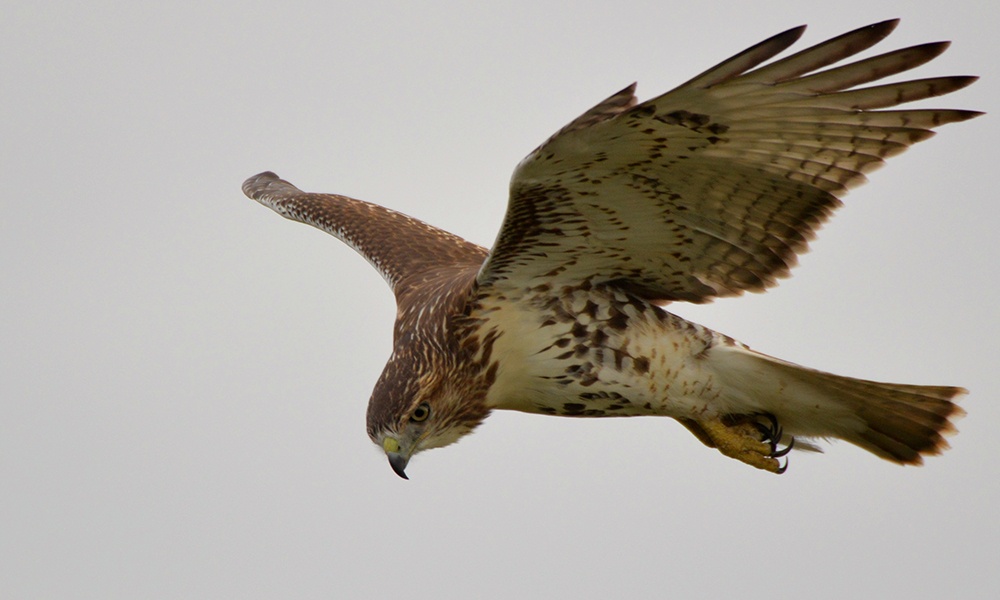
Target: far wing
[(714, 188), (404, 250)]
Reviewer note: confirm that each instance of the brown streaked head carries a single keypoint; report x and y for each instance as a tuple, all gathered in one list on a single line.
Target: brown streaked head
[(418, 405)]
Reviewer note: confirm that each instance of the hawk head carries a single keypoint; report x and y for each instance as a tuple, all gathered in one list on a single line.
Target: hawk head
[(422, 402)]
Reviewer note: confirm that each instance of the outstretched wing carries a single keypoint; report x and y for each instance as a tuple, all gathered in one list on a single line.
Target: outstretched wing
[(715, 187), (402, 248)]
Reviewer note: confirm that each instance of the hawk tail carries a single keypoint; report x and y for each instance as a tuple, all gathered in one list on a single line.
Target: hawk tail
[(898, 422)]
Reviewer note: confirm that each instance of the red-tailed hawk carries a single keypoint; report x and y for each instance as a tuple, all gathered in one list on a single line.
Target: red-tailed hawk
[(709, 190)]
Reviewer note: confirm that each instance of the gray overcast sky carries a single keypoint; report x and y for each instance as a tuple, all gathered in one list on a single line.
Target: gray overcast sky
[(185, 374)]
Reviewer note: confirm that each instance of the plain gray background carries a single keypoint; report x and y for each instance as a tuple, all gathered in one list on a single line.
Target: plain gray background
[(185, 374)]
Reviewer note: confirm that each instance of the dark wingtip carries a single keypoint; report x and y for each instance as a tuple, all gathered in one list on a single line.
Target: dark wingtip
[(885, 26), (965, 115), (253, 184)]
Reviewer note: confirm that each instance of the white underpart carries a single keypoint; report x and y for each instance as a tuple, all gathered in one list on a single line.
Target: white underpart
[(693, 373)]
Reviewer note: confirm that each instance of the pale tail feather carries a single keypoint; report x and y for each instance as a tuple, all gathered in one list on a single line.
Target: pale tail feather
[(898, 422)]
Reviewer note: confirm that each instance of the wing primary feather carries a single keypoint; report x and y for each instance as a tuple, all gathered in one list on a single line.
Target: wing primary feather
[(880, 96), (822, 54), (746, 60)]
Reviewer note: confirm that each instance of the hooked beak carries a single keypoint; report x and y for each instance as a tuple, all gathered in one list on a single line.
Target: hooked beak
[(396, 460), (398, 463)]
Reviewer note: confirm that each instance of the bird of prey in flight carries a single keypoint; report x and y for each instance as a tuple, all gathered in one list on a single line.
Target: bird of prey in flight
[(709, 190)]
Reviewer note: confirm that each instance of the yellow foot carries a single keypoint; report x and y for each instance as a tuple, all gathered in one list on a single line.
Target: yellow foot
[(744, 439)]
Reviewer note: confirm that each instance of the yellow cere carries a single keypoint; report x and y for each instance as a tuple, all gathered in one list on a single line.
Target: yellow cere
[(390, 444)]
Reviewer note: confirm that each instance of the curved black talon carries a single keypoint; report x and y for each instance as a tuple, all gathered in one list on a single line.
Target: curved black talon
[(779, 453), (765, 430), (771, 434)]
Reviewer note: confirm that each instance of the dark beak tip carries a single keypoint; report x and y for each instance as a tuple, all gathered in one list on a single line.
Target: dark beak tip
[(398, 464)]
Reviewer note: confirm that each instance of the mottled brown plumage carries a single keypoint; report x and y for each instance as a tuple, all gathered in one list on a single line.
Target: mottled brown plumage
[(709, 190)]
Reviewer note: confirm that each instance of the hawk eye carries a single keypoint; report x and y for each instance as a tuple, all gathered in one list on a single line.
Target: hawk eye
[(421, 413)]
